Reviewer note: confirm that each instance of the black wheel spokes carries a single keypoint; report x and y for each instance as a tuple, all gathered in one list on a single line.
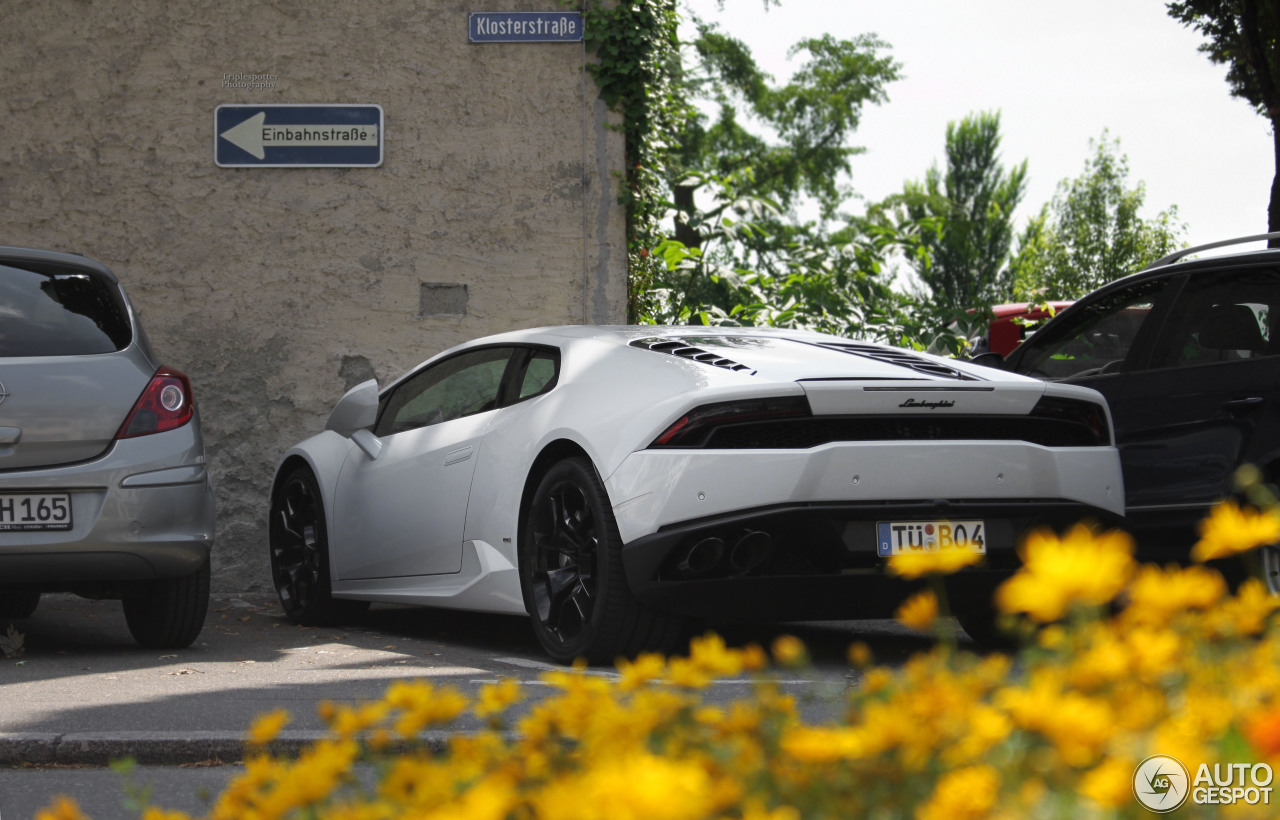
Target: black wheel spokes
[(566, 543), (295, 547)]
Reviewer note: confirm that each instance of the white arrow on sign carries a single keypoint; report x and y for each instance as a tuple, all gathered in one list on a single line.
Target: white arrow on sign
[(254, 136)]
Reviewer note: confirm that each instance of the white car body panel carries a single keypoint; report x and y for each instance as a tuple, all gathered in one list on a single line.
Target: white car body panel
[(612, 400)]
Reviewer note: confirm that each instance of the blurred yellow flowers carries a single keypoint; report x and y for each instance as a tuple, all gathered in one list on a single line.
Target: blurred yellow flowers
[(1231, 529), (1080, 568), (1184, 668)]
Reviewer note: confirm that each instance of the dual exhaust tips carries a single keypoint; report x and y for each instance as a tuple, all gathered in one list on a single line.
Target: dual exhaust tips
[(712, 556)]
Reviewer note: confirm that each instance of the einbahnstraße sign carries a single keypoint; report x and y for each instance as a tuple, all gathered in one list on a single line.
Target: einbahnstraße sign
[(298, 136)]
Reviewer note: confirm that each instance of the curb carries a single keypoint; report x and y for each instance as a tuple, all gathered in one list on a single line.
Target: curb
[(158, 748)]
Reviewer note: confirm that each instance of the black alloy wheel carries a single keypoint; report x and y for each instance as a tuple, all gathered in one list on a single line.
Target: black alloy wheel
[(572, 577), (300, 554)]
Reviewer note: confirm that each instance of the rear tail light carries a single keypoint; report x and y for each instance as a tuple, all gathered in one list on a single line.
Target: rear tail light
[(1086, 414), (694, 428), (166, 404)]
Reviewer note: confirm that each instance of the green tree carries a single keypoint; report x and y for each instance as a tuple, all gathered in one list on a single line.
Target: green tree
[(750, 151), (968, 211), (1091, 233), (779, 141), (1244, 35)]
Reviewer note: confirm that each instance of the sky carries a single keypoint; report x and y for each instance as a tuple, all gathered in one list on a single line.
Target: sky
[(1059, 73)]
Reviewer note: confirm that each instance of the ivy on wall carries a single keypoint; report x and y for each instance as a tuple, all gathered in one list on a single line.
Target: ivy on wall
[(637, 64)]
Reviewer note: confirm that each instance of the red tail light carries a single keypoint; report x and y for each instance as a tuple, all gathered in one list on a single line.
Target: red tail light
[(694, 428), (166, 404)]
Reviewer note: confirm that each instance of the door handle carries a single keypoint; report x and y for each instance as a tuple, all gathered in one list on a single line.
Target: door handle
[(1243, 404), (455, 456)]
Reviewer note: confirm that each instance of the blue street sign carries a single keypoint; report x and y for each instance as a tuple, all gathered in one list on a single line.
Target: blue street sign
[(297, 136), (525, 27)]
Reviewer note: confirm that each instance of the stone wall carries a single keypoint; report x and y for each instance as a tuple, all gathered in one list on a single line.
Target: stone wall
[(276, 289)]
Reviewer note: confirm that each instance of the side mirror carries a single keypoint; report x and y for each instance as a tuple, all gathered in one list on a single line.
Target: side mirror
[(988, 359), (356, 410)]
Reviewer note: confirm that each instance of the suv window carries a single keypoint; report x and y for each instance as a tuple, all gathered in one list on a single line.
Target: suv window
[(1224, 318), (462, 385), (1098, 340), (60, 311)]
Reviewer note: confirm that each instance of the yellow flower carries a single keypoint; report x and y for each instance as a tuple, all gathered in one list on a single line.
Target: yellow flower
[(1110, 784), (422, 704), (639, 786), (817, 744), (789, 651), (1230, 530), (913, 565), (1157, 594), (266, 727), (963, 794), (495, 698), (919, 612), (646, 668), (62, 808), (860, 655), (1247, 612), (710, 653), (1058, 573)]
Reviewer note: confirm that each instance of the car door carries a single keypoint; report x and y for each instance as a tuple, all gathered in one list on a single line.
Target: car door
[(1099, 342), (403, 513), (1205, 402)]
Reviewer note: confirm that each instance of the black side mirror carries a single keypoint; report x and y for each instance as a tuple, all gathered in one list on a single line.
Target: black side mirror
[(988, 359)]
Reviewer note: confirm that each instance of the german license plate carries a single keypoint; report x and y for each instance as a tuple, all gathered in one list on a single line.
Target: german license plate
[(898, 537), (35, 511)]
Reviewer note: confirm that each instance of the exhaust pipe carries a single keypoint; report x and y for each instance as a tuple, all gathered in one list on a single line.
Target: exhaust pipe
[(751, 550), (701, 558)]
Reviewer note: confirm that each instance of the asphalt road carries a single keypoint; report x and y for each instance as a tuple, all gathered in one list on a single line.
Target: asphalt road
[(83, 693)]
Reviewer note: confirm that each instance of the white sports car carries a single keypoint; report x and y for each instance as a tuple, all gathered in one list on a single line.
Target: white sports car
[(611, 481)]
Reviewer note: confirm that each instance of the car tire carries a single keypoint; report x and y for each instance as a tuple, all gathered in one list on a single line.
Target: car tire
[(169, 613), (16, 604), (299, 546), (572, 578)]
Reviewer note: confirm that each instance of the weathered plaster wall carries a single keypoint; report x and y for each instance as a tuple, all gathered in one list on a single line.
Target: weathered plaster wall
[(275, 289)]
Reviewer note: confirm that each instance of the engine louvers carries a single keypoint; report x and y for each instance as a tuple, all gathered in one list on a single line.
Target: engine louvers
[(677, 347)]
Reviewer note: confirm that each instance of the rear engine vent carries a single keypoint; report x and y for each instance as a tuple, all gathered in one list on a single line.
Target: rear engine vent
[(902, 358), (677, 347)]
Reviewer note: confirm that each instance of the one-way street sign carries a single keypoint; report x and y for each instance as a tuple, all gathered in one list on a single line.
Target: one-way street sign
[(297, 136)]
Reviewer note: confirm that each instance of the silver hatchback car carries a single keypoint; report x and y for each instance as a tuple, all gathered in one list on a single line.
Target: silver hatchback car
[(104, 490)]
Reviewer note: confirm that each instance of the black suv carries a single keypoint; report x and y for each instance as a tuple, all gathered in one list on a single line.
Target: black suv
[(1187, 354)]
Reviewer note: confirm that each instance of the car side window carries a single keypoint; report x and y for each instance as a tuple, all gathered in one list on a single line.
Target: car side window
[(1221, 318), (539, 374), (459, 386), (1098, 340)]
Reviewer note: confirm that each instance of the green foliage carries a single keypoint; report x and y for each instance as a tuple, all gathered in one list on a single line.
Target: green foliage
[(809, 119), (1091, 233), (1244, 35), (828, 283), (636, 50), (968, 214)]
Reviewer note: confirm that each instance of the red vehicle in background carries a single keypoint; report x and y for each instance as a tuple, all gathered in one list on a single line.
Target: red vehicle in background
[(1012, 323)]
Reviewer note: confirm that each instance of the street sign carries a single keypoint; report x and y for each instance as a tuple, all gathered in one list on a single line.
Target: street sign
[(297, 136), (525, 27)]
